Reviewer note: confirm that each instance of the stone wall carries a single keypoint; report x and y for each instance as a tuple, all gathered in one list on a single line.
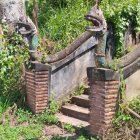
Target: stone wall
[(71, 71), (133, 85)]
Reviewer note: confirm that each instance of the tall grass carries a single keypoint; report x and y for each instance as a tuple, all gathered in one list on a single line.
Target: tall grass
[(62, 20)]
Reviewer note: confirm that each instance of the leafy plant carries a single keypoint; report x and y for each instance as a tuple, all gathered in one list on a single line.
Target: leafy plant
[(79, 90), (84, 135), (60, 21), (120, 14), (13, 54), (124, 122), (57, 137), (23, 115), (47, 117), (14, 126), (69, 128), (135, 104), (54, 105), (114, 65)]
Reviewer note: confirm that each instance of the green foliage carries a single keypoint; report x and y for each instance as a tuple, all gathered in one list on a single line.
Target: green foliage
[(79, 90), (84, 135), (57, 137), (23, 124), (20, 125), (120, 14), (47, 117), (61, 20), (125, 122), (54, 105), (13, 133), (81, 137), (114, 65), (135, 104), (13, 54), (69, 128), (23, 115)]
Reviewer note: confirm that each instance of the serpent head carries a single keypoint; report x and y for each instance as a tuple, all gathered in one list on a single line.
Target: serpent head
[(96, 16)]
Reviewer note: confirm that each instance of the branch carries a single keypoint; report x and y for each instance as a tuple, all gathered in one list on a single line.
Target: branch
[(34, 13), (133, 113)]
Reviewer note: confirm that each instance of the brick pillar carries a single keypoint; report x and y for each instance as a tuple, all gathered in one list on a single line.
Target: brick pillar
[(104, 85), (38, 87)]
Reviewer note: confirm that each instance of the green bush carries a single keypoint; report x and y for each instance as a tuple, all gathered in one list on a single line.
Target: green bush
[(120, 14), (135, 104), (125, 121), (63, 20), (13, 54)]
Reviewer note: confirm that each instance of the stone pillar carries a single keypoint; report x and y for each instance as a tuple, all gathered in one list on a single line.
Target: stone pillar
[(38, 87), (104, 85)]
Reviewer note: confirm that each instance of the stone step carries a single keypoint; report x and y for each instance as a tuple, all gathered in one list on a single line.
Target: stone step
[(81, 100), (73, 121), (76, 112)]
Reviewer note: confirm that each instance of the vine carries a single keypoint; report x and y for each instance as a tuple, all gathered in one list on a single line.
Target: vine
[(120, 14)]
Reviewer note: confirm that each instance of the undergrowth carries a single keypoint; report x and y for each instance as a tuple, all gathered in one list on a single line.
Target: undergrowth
[(120, 15), (125, 124), (16, 120), (19, 123), (60, 21), (13, 54)]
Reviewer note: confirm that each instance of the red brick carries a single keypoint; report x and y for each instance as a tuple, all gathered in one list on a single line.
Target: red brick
[(41, 89), (37, 90), (106, 82), (40, 108), (41, 86), (103, 97), (42, 73), (41, 105), (41, 99), (41, 80), (42, 76), (28, 73), (41, 83), (32, 84), (41, 95)]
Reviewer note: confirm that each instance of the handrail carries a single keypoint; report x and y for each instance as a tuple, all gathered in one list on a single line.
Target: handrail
[(70, 48)]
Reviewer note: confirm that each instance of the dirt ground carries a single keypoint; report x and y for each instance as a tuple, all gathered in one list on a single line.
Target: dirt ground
[(53, 130)]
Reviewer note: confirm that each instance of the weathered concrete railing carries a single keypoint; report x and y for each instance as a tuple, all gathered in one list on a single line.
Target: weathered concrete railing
[(71, 71), (130, 65), (61, 77)]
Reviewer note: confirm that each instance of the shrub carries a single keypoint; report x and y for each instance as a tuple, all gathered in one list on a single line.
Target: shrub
[(120, 14), (13, 54)]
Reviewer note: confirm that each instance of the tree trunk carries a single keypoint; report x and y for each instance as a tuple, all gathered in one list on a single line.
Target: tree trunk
[(34, 13), (13, 11)]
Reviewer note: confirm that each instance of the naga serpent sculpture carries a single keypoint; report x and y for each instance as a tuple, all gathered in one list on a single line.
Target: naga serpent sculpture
[(98, 29), (27, 29), (96, 16)]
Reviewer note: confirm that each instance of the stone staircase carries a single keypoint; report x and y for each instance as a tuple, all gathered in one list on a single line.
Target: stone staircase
[(77, 111)]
